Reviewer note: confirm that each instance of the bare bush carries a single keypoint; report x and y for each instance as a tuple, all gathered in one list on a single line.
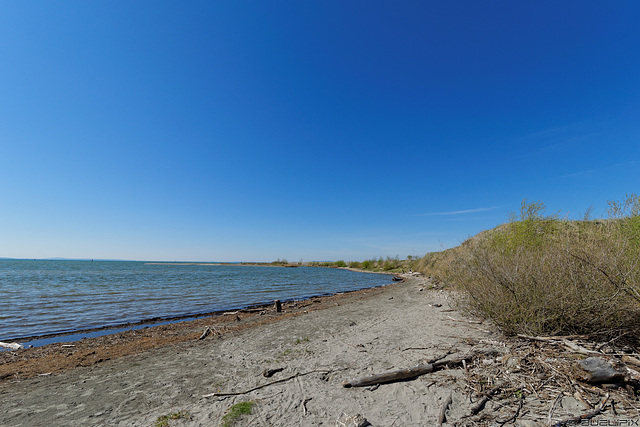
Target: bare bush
[(541, 275)]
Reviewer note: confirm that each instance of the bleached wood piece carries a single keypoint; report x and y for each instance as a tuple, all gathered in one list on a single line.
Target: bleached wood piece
[(442, 416), (11, 345)]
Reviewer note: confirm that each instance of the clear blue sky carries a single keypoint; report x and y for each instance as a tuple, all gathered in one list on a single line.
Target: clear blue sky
[(315, 130)]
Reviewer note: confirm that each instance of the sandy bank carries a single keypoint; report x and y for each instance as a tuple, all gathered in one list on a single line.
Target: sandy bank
[(354, 335), (134, 379)]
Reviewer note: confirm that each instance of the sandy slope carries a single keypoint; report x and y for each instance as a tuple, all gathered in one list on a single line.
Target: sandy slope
[(355, 337)]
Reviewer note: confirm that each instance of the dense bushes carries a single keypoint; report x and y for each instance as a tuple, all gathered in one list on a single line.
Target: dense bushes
[(541, 275)]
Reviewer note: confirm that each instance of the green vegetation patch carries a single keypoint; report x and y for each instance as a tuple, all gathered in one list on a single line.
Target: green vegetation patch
[(236, 412), (163, 421)]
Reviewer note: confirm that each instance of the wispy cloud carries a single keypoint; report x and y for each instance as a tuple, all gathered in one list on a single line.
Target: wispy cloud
[(461, 212), (562, 138), (547, 133), (587, 173)]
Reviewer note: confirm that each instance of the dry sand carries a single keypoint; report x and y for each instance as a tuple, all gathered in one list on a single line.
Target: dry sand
[(348, 336)]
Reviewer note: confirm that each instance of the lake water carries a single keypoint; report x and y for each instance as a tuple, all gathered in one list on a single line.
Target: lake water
[(46, 297)]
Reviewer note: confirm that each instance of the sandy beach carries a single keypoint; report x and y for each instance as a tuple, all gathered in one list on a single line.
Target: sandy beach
[(137, 377), (344, 337)]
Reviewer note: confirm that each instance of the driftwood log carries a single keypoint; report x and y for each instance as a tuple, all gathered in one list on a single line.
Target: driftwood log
[(389, 377), (407, 373)]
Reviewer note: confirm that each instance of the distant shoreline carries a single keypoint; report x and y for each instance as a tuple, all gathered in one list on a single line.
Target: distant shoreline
[(240, 264)]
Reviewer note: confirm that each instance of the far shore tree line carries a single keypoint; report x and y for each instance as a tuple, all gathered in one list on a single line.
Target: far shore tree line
[(388, 264)]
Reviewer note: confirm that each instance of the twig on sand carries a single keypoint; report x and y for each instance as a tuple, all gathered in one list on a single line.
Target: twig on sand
[(324, 371), (475, 322), (555, 403), (210, 330), (576, 420), (304, 405), (415, 348), (514, 417), (442, 416)]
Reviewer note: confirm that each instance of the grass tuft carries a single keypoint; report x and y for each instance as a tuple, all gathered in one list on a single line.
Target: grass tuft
[(163, 421), (236, 412)]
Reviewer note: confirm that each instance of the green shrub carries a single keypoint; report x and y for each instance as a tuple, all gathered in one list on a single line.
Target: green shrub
[(541, 275), (392, 264)]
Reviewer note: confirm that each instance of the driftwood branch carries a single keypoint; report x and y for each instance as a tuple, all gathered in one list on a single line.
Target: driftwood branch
[(577, 420), (514, 417), (389, 377), (239, 393), (205, 333), (555, 403), (210, 330), (405, 374), (486, 396), (568, 344), (442, 416), (474, 322)]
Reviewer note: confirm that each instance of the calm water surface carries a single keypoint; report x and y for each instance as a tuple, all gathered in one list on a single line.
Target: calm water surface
[(44, 297)]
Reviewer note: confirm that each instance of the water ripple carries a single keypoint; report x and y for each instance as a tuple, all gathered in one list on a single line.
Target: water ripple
[(42, 297)]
